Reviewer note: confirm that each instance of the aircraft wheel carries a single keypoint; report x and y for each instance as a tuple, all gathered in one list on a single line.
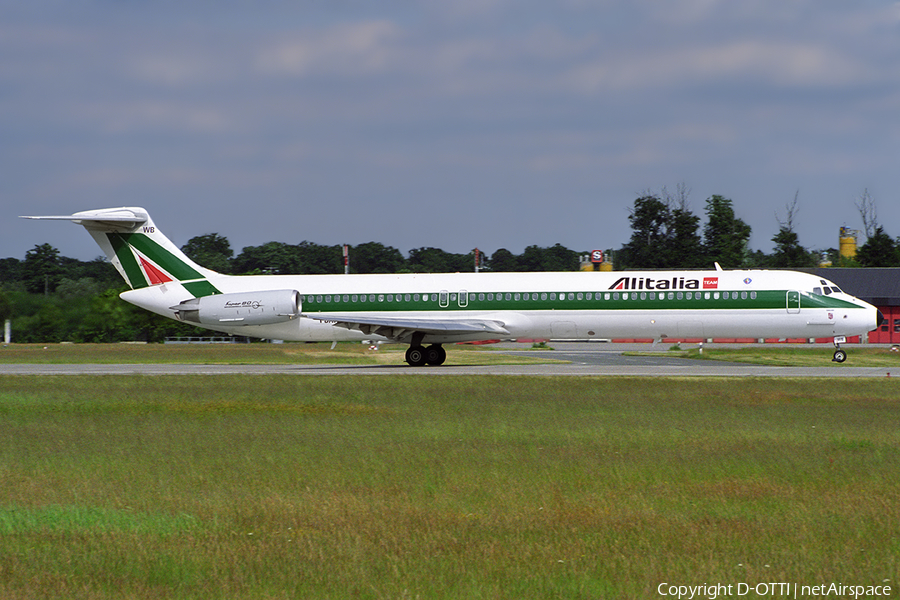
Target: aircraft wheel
[(415, 356), (839, 356), (435, 355)]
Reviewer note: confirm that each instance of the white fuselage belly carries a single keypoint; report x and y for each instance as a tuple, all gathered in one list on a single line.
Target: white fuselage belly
[(588, 325)]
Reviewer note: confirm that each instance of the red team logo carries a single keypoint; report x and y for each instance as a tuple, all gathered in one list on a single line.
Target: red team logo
[(710, 283)]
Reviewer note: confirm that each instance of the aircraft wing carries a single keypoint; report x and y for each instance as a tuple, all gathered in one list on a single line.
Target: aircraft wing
[(402, 328)]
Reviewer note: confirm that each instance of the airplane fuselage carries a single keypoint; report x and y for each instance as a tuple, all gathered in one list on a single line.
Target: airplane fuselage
[(434, 309), (576, 305)]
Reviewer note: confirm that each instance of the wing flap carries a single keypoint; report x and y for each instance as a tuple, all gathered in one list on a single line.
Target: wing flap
[(402, 327)]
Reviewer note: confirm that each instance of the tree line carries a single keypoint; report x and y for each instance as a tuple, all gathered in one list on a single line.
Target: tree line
[(52, 298), (667, 235), (214, 251)]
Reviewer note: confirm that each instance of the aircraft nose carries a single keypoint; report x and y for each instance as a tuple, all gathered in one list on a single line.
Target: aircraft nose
[(879, 319)]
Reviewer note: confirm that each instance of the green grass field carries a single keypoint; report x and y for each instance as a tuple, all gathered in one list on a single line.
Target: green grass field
[(257, 353), (785, 355), (791, 355), (466, 487), (393, 354)]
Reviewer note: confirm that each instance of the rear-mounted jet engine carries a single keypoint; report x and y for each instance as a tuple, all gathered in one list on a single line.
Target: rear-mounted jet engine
[(250, 308)]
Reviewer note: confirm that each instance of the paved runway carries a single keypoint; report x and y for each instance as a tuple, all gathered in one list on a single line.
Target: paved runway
[(605, 360)]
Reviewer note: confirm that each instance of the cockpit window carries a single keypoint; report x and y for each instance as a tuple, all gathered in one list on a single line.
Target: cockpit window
[(827, 288)]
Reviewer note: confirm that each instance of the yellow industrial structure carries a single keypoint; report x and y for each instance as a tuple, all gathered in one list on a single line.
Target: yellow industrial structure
[(848, 242), (597, 260)]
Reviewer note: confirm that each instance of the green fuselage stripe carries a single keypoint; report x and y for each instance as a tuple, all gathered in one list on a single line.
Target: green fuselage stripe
[(572, 301)]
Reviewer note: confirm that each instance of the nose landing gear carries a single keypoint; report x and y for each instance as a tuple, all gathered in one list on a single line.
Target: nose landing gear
[(839, 355)]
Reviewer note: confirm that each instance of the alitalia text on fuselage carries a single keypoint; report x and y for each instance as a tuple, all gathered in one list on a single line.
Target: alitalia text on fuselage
[(674, 283)]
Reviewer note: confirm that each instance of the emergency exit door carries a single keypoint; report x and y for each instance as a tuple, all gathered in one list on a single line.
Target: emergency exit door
[(793, 302)]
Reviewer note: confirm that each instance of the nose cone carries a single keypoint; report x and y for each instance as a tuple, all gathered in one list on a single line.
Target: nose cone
[(879, 319)]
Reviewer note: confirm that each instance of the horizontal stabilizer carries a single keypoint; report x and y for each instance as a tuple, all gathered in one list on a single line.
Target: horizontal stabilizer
[(116, 217)]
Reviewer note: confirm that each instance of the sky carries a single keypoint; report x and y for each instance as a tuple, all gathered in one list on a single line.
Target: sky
[(461, 124)]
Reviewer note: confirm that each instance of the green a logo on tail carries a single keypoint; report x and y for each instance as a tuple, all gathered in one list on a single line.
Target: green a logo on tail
[(143, 263)]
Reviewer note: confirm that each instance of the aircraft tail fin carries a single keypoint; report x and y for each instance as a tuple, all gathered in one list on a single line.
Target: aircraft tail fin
[(139, 251)]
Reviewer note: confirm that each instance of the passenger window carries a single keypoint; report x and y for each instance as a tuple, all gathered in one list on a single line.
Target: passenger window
[(544, 296), (680, 296)]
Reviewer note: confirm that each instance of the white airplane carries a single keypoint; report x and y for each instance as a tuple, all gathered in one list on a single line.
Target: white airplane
[(428, 310)]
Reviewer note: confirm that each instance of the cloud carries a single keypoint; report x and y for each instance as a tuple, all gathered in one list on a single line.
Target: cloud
[(513, 102), (745, 63), (173, 70), (361, 48)]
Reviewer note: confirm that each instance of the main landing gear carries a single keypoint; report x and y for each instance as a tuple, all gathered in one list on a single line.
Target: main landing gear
[(418, 355), (839, 355)]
